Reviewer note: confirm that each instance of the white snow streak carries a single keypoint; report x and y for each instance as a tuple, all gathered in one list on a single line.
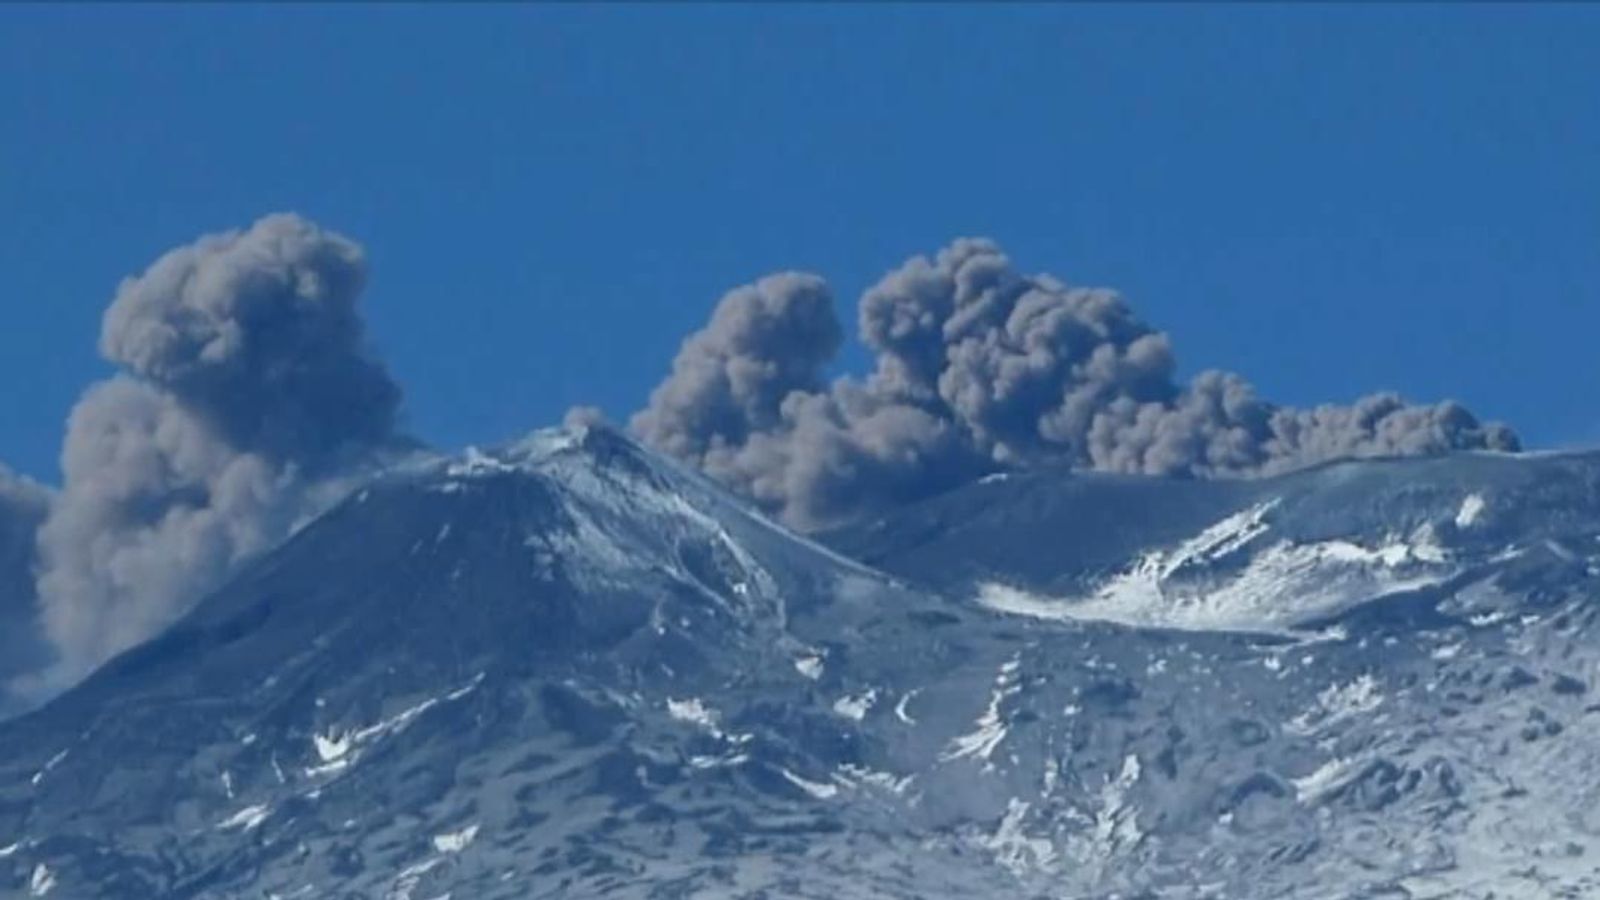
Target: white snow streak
[(42, 882), (339, 750), (1013, 848), (48, 767), (900, 711), (1267, 589), (247, 819), (1328, 776), (990, 731), (456, 841), (815, 789), (809, 666), (1336, 703), (856, 708), (695, 712)]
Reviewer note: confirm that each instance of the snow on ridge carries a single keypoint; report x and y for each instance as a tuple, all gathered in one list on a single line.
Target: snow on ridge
[(552, 458), (816, 789), (247, 819), (456, 841), (410, 878), (1013, 848), (474, 463), (1327, 777), (1336, 703), (989, 731), (856, 707), (622, 522), (810, 665), (338, 750), (1113, 830), (617, 509), (852, 775), (900, 709), (1230, 534), (42, 881), (49, 767), (695, 712), (1116, 825), (1268, 587), (332, 746)]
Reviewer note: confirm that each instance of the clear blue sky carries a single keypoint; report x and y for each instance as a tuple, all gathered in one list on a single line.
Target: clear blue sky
[(1328, 200)]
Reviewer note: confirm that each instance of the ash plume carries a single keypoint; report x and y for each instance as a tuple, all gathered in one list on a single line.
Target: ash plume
[(247, 395), (23, 506), (247, 402), (980, 368)]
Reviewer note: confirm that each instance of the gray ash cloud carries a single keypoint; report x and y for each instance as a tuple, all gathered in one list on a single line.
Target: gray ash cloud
[(980, 368), (246, 396)]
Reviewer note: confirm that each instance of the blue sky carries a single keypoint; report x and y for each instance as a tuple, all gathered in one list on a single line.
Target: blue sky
[(1328, 200)]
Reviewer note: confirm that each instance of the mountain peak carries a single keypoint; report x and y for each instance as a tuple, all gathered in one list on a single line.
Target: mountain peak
[(599, 443), (568, 666)]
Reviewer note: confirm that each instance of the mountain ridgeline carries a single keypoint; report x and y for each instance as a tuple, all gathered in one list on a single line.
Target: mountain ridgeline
[(572, 668)]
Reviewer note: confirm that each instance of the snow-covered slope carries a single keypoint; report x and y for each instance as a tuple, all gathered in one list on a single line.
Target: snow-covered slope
[(563, 669), (1266, 556), (569, 668), (1365, 680)]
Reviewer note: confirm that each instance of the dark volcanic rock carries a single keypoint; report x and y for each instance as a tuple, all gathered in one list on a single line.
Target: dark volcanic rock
[(571, 669)]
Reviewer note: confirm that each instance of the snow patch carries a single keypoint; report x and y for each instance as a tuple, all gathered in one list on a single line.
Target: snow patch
[(477, 464), (989, 730), (1336, 703), (247, 819), (852, 775), (332, 747), (406, 883), (718, 762), (339, 750), (42, 882), (48, 767), (856, 708), (1224, 579), (1328, 776), (456, 841), (695, 712), (815, 789), (809, 666), (1013, 848), (1471, 510), (1116, 824), (900, 708)]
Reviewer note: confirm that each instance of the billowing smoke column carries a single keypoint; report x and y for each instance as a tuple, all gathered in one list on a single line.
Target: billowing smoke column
[(248, 402), (247, 395), (980, 369), (23, 506)]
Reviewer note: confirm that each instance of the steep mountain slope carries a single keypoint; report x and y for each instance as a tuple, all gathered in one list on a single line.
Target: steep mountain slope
[(1377, 675), (571, 669), (594, 670), (1247, 555)]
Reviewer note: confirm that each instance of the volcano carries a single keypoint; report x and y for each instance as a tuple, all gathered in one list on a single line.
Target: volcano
[(571, 668)]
